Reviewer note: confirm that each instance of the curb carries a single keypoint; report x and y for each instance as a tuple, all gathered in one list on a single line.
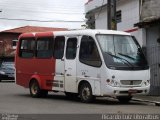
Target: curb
[(156, 103)]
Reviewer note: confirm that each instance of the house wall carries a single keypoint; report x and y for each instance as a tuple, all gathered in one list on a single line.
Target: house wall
[(93, 4), (101, 19), (130, 14), (6, 43), (153, 56)]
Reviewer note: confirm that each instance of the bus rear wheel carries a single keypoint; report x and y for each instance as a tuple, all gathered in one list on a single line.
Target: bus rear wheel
[(124, 99), (35, 90), (86, 93)]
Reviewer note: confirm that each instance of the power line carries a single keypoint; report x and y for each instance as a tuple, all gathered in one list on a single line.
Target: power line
[(50, 12), (21, 4), (16, 19), (71, 10), (33, 6)]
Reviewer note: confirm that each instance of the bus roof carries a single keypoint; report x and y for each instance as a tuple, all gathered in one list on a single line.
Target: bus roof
[(75, 32)]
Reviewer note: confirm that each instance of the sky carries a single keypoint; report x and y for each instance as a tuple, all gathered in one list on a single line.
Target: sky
[(46, 13)]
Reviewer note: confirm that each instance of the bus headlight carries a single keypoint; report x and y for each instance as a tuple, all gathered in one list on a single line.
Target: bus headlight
[(113, 83), (116, 84), (146, 83)]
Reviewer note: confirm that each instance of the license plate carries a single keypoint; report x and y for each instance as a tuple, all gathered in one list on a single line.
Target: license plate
[(11, 75), (132, 91)]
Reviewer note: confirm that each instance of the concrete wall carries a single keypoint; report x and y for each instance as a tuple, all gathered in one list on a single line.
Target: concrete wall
[(150, 10)]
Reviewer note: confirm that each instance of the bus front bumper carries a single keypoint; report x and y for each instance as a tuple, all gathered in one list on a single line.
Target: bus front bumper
[(129, 91)]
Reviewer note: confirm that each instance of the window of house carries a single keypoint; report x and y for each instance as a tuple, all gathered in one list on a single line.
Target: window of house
[(119, 16), (27, 48), (14, 44), (88, 52), (59, 47), (44, 48), (71, 48)]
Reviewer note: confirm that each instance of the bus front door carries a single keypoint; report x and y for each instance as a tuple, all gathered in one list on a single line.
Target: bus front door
[(70, 65)]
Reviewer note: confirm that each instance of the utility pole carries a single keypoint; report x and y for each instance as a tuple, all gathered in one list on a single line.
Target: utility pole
[(111, 15), (114, 19)]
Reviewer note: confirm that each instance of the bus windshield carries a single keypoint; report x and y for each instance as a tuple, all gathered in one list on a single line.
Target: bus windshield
[(122, 52)]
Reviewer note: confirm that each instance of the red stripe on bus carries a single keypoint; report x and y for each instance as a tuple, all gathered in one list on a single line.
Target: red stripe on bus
[(131, 30), (88, 2)]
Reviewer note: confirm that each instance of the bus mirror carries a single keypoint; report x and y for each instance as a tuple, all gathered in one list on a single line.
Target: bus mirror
[(158, 40)]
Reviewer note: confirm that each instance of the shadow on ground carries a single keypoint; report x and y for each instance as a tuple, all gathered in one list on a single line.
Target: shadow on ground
[(7, 81), (97, 101)]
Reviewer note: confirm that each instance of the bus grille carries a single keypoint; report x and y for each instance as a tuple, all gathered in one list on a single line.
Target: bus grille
[(131, 82)]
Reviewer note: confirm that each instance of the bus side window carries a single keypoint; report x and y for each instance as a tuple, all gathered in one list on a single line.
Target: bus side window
[(71, 48), (59, 47), (89, 53), (27, 48), (44, 47)]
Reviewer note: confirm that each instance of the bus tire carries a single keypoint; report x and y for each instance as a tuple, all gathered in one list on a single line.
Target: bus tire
[(124, 99), (86, 93), (35, 90)]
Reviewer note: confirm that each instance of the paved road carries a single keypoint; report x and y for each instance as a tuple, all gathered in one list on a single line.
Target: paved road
[(16, 99)]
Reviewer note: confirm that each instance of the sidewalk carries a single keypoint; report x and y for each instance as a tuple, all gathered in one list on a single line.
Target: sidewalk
[(150, 99)]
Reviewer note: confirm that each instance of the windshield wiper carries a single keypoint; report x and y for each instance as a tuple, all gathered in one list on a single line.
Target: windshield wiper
[(126, 56), (122, 59)]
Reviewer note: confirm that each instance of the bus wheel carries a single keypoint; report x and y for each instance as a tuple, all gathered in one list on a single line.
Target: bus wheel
[(35, 90), (86, 93), (124, 99)]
